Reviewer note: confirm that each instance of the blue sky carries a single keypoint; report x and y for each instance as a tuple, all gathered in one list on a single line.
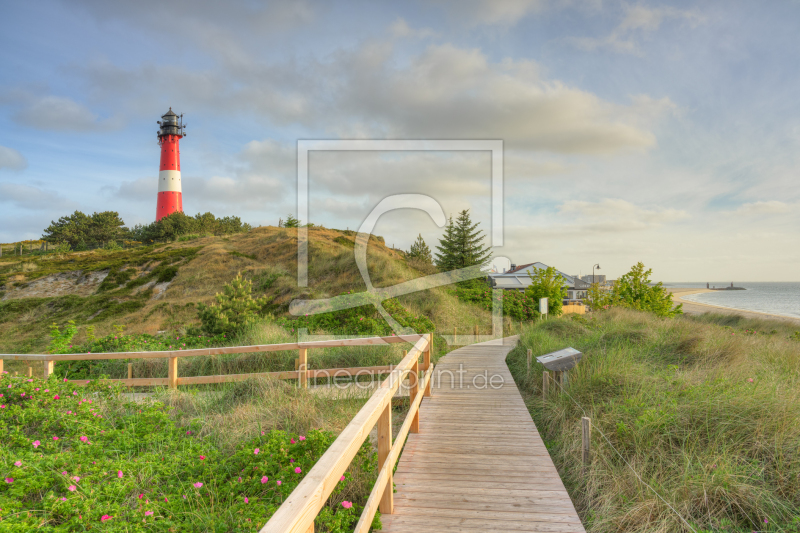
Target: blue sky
[(666, 133)]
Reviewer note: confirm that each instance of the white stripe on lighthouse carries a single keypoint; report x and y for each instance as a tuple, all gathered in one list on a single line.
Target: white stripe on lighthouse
[(169, 180)]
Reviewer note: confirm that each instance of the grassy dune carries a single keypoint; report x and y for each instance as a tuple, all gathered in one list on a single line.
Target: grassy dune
[(201, 267), (706, 410)]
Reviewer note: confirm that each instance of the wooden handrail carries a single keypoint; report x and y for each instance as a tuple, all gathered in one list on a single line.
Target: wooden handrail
[(335, 343), (297, 513), (302, 373)]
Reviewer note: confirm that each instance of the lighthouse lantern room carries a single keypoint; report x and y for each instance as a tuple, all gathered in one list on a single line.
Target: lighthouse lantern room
[(172, 129)]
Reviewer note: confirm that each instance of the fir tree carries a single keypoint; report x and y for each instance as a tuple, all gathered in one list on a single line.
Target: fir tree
[(461, 245), (234, 310), (291, 222), (419, 251)]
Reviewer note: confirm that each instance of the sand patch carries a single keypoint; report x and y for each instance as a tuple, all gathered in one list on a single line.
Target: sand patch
[(60, 284)]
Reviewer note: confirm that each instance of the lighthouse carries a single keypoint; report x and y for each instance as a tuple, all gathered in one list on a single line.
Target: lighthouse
[(169, 176)]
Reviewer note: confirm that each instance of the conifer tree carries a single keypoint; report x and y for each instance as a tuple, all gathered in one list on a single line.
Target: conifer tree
[(420, 251), (291, 222), (235, 308), (461, 245)]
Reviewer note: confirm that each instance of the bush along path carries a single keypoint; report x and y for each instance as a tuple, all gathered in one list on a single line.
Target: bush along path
[(77, 458)]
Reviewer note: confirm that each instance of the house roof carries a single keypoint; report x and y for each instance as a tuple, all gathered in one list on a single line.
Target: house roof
[(517, 269), (522, 271)]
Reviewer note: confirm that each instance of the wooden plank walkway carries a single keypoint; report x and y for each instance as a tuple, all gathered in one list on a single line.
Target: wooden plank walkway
[(478, 463)]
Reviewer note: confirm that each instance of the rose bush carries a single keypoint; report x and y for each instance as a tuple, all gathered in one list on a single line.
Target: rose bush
[(83, 457)]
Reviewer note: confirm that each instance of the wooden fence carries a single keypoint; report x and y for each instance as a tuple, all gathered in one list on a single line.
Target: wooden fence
[(297, 513), (302, 373)]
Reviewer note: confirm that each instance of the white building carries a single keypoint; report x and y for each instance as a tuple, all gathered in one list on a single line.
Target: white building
[(519, 278)]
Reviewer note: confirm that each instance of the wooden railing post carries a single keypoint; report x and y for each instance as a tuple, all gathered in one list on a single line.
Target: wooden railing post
[(557, 378), (476, 330), (303, 367), (426, 357), (545, 385), (130, 370), (530, 358), (384, 448), (455, 334), (30, 371), (586, 427), (49, 366), (412, 394), (1, 366), (172, 372)]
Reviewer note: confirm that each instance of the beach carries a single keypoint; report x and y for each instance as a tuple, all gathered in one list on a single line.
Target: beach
[(696, 308)]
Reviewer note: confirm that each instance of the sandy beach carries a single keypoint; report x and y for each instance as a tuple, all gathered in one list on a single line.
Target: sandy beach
[(695, 308)]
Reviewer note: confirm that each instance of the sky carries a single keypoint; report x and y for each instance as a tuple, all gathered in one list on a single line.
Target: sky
[(666, 133)]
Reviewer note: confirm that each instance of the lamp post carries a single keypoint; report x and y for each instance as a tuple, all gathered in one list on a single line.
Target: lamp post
[(598, 268)]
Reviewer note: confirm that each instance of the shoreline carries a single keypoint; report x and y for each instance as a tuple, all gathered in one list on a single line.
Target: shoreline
[(697, 308)]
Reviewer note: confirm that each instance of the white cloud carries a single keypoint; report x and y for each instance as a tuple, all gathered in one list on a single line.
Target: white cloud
[(762, 208), (31, 198), (451, 92), (400, 29), (12, 159), (57, 113), (262, 179), (617, 215), (472, 13), (442, 92), (639, 21)]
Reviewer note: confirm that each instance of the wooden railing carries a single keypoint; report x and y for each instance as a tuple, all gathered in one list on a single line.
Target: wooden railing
[(298, 512), (302, 374)]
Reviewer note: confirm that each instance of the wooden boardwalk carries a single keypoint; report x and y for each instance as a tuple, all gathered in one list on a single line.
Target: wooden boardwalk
[(478, 463)]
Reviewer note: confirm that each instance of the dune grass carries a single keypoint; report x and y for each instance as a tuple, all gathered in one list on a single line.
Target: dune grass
[(708, 415)]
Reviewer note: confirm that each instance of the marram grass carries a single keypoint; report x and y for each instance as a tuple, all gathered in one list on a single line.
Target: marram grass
[(708, 415)]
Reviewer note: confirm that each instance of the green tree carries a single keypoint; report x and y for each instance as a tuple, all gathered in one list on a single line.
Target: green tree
[(461, 245), (178, 223), (71, 229), (420, 252), (635, 291), (106, 226), (547, 283), (291, 222), (235, 308)]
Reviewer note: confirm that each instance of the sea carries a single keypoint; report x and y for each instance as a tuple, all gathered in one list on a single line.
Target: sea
[(778, 298)]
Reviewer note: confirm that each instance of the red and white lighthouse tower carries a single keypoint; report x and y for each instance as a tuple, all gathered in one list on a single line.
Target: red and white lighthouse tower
[(169, 175)]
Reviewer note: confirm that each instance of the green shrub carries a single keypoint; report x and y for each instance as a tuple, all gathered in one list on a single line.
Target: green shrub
[(344, 241), (634, 290), (361, 320), (235, 308), (547, 283), (516, 304), (165, 273), (78, 458), (60, 340)]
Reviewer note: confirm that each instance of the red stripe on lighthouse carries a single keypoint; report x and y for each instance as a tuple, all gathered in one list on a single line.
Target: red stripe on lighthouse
[(169, 178)]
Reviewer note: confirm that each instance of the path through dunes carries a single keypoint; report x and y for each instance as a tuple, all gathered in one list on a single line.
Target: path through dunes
[(478, 463)]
